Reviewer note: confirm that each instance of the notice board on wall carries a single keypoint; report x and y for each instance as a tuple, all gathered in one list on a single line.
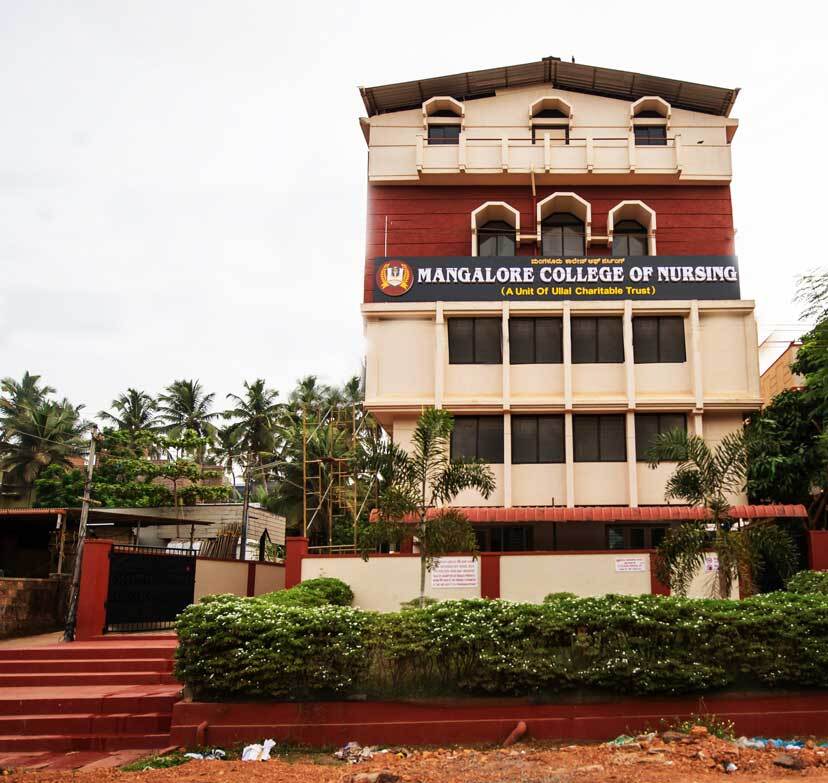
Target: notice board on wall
[(628, 564), (449, 572)]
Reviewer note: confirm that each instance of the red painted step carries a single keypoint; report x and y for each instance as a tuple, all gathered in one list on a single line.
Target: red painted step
[(36, 665), (86, 678), (70, 742), (85, 723), (85, 651), (101, 699)]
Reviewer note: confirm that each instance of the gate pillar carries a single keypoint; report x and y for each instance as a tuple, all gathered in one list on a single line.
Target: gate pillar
[(94, 586)]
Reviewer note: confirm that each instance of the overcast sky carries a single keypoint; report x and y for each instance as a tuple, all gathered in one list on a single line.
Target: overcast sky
[(182, 184)]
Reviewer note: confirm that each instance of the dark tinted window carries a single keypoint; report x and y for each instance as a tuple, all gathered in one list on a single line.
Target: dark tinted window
[(562, 235), (537, 439), (443, 134), (478, 437), (629, 238), (600, 438), (496, 238), (648, 425), (558, 134), (535, 340), (627, 537), (659, 339), (597, 340), (503, 538), (474, 341), (651, 135)]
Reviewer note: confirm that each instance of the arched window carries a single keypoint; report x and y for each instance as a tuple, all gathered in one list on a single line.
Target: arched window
[(629, 239), (496, 238), (443, 120), (650, 119), (550, 116), (563, 234)]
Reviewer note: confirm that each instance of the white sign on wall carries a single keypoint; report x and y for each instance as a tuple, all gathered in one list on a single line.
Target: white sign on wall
[(625, 564), (711, 562), (455, 572)]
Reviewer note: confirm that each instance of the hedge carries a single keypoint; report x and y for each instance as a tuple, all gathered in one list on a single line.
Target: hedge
[(809, 582), (233, 648), (321, 591)]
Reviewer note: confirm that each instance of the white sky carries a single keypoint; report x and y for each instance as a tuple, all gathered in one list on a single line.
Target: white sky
[(182, 184)]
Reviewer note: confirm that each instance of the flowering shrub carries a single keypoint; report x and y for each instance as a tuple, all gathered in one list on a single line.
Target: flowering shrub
[(809, 582), (621, 644), (321, 591)]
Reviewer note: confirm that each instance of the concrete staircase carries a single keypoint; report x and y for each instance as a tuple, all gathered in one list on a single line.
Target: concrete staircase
[(108, 695)]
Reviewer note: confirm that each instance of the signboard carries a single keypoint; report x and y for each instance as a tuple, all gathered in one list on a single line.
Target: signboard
[(627, 564), (455, 572), (528, 278), (711, 562)]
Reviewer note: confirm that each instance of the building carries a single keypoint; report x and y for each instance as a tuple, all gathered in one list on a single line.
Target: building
[(777, 353), (550, 256)]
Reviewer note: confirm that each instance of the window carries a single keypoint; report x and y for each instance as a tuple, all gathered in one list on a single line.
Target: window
[(496, 238), (648, 425), (443, 134), (650, 135), (597, 340), (537, 439), (505, 538), (629, 238), (629, 537), (535, 340), (474, 341), (478, 437), (600, 438), (558, 134), (659, 339), (562, 234)]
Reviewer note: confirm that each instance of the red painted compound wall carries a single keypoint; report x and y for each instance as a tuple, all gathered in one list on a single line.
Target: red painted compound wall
[(434, 220)]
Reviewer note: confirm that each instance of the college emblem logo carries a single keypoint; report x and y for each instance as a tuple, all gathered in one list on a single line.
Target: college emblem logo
[(395, 278)]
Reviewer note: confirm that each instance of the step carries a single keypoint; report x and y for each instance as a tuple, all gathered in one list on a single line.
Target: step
[(86, 723), (67, 743), (79, 650), (98, 699), (129, 638), (86, 678), (56, 665)]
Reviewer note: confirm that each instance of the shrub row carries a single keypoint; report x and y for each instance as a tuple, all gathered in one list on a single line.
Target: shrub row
[(233, 648), (809, 582)]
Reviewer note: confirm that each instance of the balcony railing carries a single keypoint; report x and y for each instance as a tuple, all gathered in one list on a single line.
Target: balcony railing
[(475, 154)]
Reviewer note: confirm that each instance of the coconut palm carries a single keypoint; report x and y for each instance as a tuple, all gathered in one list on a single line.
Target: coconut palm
[(16, 397), (133, 412), (184, 406), (424, 482), (256, 415), (228, 449), (706, 477), (49, 434)]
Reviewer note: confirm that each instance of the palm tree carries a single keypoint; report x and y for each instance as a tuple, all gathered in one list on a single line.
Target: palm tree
[(132, 412), (256, 415), (16, 397), (706, 477), (424, 482), (228, 449), (310, 394), (185, 406), (48, 434)]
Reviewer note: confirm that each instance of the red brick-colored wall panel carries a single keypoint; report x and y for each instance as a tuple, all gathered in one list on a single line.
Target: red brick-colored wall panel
[(436, 220)]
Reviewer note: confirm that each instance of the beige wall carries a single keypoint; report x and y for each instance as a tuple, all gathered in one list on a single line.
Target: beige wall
[(401, 358), (601, 483), (599, 145), (727, 368), (472, 497), (538, 382), (651, 483), (530, 578), (704, 586), (381, 584), (214, 577), (473, 382), (538, 485), (269, 578), (778, 377), (591, 382)]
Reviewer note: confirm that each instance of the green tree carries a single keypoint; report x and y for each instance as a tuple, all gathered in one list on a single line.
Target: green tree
[(705, 477), (256, 414), (812, 357), (125, 478), (133, 411), (185, 405), (423, 484), (228, 449), (18, 397), (789, 454)]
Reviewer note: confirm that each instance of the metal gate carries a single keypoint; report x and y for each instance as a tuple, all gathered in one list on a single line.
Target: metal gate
[(148, 587)]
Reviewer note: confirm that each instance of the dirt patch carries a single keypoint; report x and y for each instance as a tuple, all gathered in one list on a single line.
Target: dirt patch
[(681, 759)]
